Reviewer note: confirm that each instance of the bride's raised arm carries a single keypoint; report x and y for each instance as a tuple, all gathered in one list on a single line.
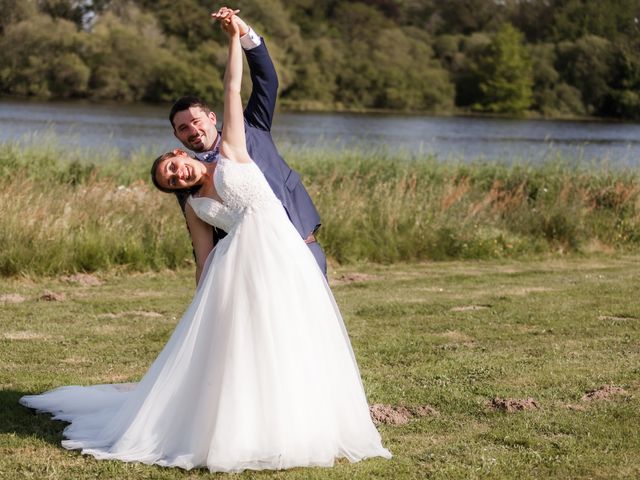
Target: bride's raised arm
[(233, 145)]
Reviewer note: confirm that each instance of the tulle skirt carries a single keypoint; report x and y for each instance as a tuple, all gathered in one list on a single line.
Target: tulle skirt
[(258, 374)]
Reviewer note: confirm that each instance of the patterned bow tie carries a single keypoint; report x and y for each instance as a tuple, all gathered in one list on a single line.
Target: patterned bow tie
[(210, 156)]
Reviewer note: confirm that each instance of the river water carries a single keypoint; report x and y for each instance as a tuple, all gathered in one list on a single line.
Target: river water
[(127, 128)]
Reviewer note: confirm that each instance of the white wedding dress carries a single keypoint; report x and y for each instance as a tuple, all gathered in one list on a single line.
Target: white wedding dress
[(259, 372)]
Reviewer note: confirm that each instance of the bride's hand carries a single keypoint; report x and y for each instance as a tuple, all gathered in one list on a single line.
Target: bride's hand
[(229, 22)]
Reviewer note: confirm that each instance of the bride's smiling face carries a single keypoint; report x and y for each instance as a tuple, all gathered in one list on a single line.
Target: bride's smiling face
[(179, 172)]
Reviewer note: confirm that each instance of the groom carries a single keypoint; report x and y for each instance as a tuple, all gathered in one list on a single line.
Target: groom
[(194, 124)]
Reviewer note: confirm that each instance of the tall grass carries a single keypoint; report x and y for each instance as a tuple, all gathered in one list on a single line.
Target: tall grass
[(61, 213), (385, 209)]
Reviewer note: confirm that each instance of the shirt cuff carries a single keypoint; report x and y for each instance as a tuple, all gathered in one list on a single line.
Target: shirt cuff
[(250, 40)]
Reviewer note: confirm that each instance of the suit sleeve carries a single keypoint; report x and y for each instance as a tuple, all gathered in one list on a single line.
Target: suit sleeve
[(264, 92)]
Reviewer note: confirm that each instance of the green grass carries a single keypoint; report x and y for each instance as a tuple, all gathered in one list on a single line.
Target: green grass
[(64, 214), (551, 329)]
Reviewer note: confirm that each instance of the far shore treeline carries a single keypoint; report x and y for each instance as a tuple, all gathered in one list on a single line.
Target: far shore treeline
[(541, 57), (61, 214)]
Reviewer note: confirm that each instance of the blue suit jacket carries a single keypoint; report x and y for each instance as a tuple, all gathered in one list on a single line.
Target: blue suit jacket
[(258, 116), (284, 181)]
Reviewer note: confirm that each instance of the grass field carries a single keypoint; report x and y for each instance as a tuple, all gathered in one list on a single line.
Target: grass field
[(472, 340)]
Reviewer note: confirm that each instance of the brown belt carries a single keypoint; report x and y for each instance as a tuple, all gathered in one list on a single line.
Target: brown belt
[(310, 239)]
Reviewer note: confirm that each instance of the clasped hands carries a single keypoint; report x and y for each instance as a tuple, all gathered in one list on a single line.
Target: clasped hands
[(230, 22)]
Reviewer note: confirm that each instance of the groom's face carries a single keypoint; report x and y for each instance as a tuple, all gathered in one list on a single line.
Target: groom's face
[(195, 128)]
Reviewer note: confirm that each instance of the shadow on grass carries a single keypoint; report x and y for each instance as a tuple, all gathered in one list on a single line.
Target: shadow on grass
[(25, 422)]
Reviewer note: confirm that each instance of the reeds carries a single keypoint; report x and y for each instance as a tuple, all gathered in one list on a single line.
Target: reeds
[(61, 213)]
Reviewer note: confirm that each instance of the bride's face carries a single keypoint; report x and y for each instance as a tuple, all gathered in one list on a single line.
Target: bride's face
[(180, 172)]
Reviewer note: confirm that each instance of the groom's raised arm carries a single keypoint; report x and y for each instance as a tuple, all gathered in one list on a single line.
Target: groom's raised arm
[(264, 80)]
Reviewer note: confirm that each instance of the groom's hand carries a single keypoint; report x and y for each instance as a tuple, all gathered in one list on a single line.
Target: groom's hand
[(224, 15)]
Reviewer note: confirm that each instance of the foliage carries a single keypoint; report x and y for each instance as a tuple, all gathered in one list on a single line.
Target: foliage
[(505, 74), (38, 56), (69, 215), (552, 96), (337, 54), (587, 66)]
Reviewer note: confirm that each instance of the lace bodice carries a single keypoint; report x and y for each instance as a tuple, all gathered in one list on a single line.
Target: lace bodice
[(212, 212), (241, 186)]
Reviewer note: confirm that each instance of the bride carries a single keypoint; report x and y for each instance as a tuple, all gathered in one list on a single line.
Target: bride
[(259, 372)]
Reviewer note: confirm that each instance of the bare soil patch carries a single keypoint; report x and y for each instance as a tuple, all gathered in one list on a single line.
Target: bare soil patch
[(353, 277), (457, 336), (525, 290), (76, 360), (49, 296), (614, 318), (132, 313), (398, 414), (513, 404), (25, 335), (605, 392), (12, 298), (470, 308), (84, 279)]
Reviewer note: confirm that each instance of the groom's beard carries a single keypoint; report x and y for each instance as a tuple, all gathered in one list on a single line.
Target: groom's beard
[(198, 143)]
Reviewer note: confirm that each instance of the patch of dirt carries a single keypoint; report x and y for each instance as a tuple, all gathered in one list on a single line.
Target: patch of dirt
[(470, 308), (49, 296), (513, 404), (596, 246), (424, 411), (458, 337), (76, 360), (83, 279), (613, 318), (353, 277), (429, 289), (525, 290), (398, 414), (12, 298), (23, 335), (108, 329), (132, 313), (605, 392)]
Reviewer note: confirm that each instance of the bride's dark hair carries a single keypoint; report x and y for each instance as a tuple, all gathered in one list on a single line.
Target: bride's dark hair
[(154, 178)]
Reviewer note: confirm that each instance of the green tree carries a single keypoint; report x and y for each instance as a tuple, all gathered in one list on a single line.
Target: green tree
[(551, 95), (124, 50), (14, 12), (461, 55), (401, 82), (318, 66), (38, 57), (180, 71), (505, 74), (531, 18), (587, 64), (573, 19), (624, 96), (186, 19), (469, 16), (71, 10)]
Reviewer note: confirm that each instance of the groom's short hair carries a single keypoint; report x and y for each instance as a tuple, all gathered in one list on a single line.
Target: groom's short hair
[(185, 103)]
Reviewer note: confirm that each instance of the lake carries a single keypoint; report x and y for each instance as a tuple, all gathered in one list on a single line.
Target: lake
[(130, 127)]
